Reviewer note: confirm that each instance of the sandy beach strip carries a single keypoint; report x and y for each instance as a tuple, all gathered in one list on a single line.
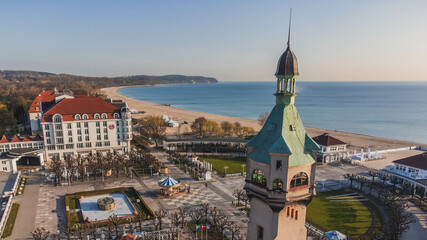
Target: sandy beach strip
[(355, 141)]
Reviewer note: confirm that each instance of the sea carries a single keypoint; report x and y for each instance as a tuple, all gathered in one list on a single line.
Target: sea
[(383, 109)]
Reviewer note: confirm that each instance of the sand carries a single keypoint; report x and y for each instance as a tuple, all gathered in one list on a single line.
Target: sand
[(355, 141)]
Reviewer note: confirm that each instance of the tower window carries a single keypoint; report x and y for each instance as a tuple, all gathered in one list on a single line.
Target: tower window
[(277, 184), (259, 177), (288, 209), (296, 214), (299, 179), (260, 233), (279, 165)]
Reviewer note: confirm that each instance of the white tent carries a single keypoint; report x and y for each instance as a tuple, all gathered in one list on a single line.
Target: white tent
[(335, 235)]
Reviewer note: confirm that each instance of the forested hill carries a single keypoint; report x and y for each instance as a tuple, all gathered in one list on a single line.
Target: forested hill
[(19, 88), (50, 80)]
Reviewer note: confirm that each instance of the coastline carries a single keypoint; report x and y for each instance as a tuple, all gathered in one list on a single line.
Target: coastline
[(355, 141)]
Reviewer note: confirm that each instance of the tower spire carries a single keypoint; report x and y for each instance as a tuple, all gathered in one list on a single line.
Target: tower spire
[(289, 29)]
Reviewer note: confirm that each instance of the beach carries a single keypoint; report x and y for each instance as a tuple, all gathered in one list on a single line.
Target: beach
[(355, 141)]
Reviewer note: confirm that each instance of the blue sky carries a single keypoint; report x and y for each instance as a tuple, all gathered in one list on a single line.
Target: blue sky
[(334, 40)]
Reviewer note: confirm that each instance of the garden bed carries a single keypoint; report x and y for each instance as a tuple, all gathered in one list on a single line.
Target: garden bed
[(11, 221)]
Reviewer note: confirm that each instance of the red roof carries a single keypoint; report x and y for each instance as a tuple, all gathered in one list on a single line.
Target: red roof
[(4, 139), (27, 139), (46, 96), (81, 104), (326, 140), (15, 139), (416, 161)]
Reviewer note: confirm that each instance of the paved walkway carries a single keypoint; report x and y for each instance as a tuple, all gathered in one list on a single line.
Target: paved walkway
[(26, 218)]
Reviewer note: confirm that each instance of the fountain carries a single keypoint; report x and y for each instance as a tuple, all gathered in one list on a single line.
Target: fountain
[(106, 203)]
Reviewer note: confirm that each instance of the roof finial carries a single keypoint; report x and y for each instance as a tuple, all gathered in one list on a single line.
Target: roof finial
[(289, 30)]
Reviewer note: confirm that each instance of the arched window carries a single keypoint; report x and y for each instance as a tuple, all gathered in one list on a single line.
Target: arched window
[(299, 179), (57, 118), (116, 115), (85, 117), (277, 184), (77, 117), (259, 177), (104, 116), (96, 116)]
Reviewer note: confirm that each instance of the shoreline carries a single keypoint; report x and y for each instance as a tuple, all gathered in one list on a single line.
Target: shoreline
[(355, 141)]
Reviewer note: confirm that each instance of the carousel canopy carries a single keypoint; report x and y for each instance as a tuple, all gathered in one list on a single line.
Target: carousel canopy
[(168, 182)]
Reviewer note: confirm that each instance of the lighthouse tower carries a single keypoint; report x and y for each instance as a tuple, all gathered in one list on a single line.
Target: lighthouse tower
[(281, 164)]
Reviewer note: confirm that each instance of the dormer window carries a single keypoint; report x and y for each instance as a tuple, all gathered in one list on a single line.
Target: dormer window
[(96, 116), (116, 115), (57, 118), (85, 117), (77, 117), (104, 116)]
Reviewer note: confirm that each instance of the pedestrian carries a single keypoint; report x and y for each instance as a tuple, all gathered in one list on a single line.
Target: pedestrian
[(206, 184)]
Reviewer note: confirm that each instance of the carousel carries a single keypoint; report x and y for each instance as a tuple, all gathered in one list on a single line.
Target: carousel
[(170, 188)]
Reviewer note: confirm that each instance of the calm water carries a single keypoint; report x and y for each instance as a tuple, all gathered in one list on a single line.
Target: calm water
[(392, 110)]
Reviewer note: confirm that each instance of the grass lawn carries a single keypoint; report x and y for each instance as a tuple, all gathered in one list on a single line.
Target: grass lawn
[(11, 220), (348, 217), (219, 162)]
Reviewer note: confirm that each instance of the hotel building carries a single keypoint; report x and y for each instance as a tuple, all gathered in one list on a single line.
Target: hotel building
[(66, 124)]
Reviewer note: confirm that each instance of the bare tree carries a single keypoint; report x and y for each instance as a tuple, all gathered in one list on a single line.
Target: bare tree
[(114, 220), (183, 213), (197, 125), (57, 167), (372, 174), (351, 177), (81, 166), (159, 215), (93, 166), (263, 117), (152, 127), (234, 230), (196, 215), (70, 165), (238, 193), (175, 219), (40, 234)]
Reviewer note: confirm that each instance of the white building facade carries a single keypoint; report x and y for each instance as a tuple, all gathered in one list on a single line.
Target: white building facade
[(81, 125)]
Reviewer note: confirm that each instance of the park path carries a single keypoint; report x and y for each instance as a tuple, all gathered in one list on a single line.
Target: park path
[(26, 218), (221, 188)]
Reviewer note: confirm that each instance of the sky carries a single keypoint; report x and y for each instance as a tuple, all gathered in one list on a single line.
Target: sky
[(231, 40)]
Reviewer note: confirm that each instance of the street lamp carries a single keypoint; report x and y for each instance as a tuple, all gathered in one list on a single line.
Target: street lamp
[(243, 169), (151, 169)]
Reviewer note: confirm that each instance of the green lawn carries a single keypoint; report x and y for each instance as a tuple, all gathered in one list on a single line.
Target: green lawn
[(11, 220), (348, 217), (219, 162)]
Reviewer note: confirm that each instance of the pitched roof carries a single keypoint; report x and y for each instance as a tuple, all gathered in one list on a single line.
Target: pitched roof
[(46, 96), (37, 138), (327, 140), (416, 161), (283, 133), (15, 139), (4, 139), (27, 139), (80, 104)]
